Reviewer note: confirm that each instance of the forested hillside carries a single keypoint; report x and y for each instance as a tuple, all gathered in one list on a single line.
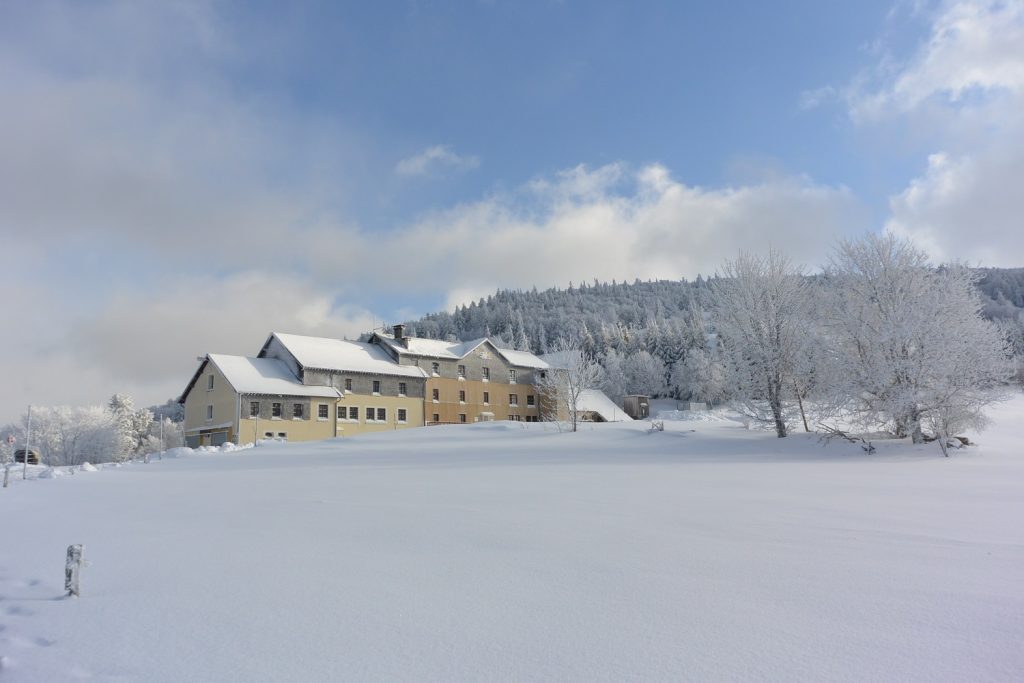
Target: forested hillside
[(648, 327)]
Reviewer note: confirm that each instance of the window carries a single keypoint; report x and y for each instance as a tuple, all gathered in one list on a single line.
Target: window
[(462, 417), (275, 410), (209, 383), (487, 397), (512, 376), (382, 414), (436, 394), (323, 411), (462, 396), (353, 412), (401, 388), (487, 374), (401, 415), (462, 372), (437, 418), (376, 386), (513, 399), (268, 435), (435, 368), (297, 411), (282, 435), (531, 400), (254, 409), (209, 412), (348, 384)]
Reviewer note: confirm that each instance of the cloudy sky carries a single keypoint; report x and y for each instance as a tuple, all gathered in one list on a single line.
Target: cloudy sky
[(182, 178)]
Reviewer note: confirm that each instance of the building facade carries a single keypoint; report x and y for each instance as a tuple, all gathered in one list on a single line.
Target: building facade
[(302, 388)]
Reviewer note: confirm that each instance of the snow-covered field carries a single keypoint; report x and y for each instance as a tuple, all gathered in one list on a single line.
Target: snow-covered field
[(514, 552)]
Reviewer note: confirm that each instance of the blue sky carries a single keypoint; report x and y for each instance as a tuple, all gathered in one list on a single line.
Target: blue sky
[(183, 178)]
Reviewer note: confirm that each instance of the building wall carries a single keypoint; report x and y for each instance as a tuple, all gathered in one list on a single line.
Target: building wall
[(363, 383), (448, 407), (223, 399)]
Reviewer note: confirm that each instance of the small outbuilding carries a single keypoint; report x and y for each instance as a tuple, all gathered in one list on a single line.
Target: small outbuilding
[(637, 406)]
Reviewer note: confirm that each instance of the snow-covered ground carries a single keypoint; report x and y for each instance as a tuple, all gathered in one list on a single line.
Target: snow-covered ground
[(515, 552)]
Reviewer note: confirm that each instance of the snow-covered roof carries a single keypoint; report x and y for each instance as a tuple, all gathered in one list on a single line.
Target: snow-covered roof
[(437, 348), (523, 359), (595, 401), (434, 348), (560, 359), (338, 354), (265, 376)]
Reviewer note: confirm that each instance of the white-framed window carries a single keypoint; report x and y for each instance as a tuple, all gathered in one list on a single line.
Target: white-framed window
[(348, 385), (275, 410), (402, 386), (512, 376), (353, 413), (462, 396), (436, 395), (209, 382), (209, 411), (402, 415), (462, 372), (487, 397), (513, 399), (376, 386), (531, 400), (254, 409), (382, 414), (297, 411), (282, 435), (268, 435), (462, 417), (437, 418), (323, 411), (486, 373), (435, 368)]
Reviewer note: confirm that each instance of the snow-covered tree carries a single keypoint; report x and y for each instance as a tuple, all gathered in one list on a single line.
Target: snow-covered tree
[(700, 377), (573, 371), (132, 425), (912, 344), (614, 378), (758, 311), (645, 374), (72, 435)]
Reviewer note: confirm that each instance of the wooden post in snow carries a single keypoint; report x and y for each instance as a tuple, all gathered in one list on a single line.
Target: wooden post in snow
[(71, 569), (7, 474)]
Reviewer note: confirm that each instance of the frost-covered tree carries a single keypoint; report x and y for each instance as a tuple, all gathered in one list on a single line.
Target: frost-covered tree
[(700, 377), (614, 378), (913, 347), (645, 374), (72, 435), (573, 371), (759, 315), (132, 425)]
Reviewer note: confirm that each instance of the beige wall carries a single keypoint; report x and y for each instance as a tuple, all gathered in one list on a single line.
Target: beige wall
[(222, 397), (448, 408)]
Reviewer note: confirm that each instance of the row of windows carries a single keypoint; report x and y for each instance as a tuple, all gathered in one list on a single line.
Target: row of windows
[(511, 418), (403, 387), (323, 412), (513, 399), (460, 372)]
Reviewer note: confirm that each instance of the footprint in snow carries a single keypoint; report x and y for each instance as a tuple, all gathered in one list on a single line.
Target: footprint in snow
[(17, 611)]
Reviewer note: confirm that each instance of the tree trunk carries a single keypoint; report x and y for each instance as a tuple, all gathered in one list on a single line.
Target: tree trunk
[(800, 402), (776, 403)]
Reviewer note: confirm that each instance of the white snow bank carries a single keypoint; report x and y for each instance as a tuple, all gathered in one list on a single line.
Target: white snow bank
[(88, 467)]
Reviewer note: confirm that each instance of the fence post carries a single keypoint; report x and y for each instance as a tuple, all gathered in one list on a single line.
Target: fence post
[(71, 569)]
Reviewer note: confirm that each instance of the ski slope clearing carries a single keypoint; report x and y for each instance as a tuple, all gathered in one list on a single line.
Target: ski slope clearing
[(514, 552)]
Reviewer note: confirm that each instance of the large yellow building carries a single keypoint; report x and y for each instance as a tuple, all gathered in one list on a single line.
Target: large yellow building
[(306, 388)]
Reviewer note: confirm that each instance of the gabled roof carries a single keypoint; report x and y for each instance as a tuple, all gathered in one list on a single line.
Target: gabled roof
[(324, 353), (436, 348), (595, 401), (266, 376)]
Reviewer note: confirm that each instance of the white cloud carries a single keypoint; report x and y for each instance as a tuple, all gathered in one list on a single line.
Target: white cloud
[(965, 85), (433, 159), (975, 47), (608, 222)]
